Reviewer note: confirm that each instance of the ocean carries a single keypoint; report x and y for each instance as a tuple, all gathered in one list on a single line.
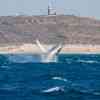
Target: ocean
[(72, 77)]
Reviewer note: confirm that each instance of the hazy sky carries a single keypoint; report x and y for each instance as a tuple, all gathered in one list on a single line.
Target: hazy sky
[(82, 7)]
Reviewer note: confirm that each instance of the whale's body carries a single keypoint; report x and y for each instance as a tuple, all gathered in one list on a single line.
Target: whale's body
[(51, 54), (45, 58)]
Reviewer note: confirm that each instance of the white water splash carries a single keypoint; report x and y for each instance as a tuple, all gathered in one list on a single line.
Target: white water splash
[(60, 79), (53, 89), (50, 54)]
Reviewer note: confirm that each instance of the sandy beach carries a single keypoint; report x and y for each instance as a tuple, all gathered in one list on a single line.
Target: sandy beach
[(32, 48)]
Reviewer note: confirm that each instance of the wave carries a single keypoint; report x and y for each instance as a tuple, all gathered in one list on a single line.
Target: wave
[(81, 61), (88, 61), (96, 93), (53, 89), (88, 92), (23, 58), (60, 79), (65, 90), (8, 87), (5, 67)]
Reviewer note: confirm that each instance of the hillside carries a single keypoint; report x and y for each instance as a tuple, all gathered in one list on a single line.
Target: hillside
[(49, 29)]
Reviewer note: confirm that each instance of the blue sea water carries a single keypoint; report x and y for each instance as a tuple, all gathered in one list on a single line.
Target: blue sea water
[(73, 77)]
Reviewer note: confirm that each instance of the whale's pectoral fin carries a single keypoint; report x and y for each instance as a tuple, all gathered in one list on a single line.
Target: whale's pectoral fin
[(55, 50), (41, 46)]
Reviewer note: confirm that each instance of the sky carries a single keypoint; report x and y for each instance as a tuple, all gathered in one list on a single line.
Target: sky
[(33, 7)]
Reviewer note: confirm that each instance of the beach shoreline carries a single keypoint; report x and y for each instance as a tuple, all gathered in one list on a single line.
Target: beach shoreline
[(33, 48)]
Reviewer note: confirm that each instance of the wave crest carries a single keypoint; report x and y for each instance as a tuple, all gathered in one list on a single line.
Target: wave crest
[(88, 61), (60, 79), (53, 89)]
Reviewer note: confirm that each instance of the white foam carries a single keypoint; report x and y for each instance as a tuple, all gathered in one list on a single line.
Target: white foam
[(53, 89), (88, 61), (60, 79)]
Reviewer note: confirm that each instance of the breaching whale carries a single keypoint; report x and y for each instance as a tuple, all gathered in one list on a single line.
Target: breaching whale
[(49, 55)]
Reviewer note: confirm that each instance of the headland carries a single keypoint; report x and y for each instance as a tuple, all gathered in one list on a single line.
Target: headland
[(19, 33)]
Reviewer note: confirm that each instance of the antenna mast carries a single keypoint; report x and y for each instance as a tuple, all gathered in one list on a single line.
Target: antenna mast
[(52, 7)]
